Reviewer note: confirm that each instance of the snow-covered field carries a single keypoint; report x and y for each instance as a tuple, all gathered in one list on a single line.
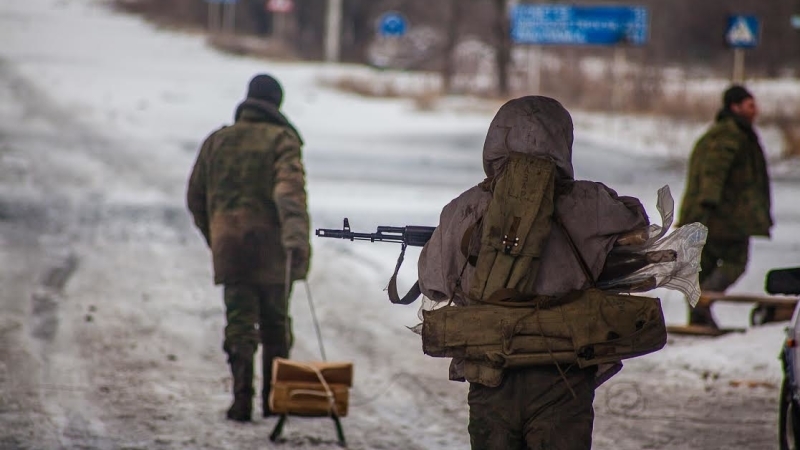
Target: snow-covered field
[(101, 116)]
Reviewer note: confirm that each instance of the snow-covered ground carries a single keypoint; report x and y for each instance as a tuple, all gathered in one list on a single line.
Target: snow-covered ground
[(101, 116)]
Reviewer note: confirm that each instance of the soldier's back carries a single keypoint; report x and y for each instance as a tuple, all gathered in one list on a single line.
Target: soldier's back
[(241, 165)]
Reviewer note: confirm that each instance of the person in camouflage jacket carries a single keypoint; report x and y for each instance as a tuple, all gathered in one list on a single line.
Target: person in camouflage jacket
[(247, 196), (727, 189)]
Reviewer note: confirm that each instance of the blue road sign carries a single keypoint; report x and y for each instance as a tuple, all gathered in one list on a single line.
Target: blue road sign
[(742, 31), (579, 25), (392, 24)]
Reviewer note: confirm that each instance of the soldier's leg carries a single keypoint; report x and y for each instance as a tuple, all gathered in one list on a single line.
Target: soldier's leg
[(241, 341), (709, 265), (731, 265), (729, 261), (494, 419), (555, 419), (275, 334), (709, 259)]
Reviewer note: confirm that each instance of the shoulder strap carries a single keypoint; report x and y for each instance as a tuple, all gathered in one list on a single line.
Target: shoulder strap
[(412, 293), (466, 240)]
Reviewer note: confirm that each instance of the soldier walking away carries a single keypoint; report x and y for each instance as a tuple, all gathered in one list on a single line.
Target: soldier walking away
[(727, 189), (247, 195), (536, 401)]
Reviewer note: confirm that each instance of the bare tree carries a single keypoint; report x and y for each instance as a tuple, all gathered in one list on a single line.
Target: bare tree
[(503, 46), (687, 33), (453, 22)]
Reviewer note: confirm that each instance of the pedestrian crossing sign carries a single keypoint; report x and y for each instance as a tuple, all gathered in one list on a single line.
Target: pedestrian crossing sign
[(742, 31)]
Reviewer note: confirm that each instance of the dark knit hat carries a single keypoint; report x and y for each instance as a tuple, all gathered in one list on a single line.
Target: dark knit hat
[(734, 95), (264, 87)]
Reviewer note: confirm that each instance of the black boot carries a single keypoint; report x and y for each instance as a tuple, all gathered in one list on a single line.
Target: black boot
[(701, 315), (241, 362), (268, 352)]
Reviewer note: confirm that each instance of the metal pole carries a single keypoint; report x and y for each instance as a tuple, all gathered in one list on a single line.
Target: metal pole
[(226, 9), (232, 27), (333, 30), (213, 18), (619, 71), (279, 19), (534, 69), (738, 65)]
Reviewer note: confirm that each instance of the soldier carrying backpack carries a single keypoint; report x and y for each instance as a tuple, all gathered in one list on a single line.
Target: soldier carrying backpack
[(516, 259)]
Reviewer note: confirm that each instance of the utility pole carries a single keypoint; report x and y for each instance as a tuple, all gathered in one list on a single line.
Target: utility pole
[(333, 30)]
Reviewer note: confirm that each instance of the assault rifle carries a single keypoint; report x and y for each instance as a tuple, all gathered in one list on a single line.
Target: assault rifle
[(415, 236), (618, 264)]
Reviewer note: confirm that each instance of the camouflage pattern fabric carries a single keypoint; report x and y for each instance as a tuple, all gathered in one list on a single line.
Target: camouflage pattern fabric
[(727, 187), (257, 314), (533, 409), (247, 196)]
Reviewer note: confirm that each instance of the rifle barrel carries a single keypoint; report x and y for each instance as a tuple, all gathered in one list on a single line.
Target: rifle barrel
[(415, 236)]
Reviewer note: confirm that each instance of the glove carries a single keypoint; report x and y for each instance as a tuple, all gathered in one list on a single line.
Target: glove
[(301, 256)]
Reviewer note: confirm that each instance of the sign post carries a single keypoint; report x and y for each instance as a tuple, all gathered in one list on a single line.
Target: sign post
[(619, 70), (738, 65), (742, 33), (390, 27), (280, 10), (534, 68)]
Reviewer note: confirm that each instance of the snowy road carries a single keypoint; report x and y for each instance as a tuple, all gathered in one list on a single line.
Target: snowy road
[(111, 331)]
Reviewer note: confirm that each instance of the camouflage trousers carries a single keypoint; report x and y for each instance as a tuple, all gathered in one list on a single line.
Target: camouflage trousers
[(257, 313), (533, 408), (722, 263)]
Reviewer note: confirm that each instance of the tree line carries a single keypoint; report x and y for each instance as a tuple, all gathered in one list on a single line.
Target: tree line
[(683, 33)]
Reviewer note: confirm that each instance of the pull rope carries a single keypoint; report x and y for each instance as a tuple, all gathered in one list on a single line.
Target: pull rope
[(332, 409)]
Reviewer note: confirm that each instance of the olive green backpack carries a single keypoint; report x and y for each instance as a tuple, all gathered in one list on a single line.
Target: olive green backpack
[(506, 324)]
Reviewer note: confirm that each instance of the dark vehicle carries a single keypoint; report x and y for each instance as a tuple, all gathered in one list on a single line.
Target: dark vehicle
[(787, 282)]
